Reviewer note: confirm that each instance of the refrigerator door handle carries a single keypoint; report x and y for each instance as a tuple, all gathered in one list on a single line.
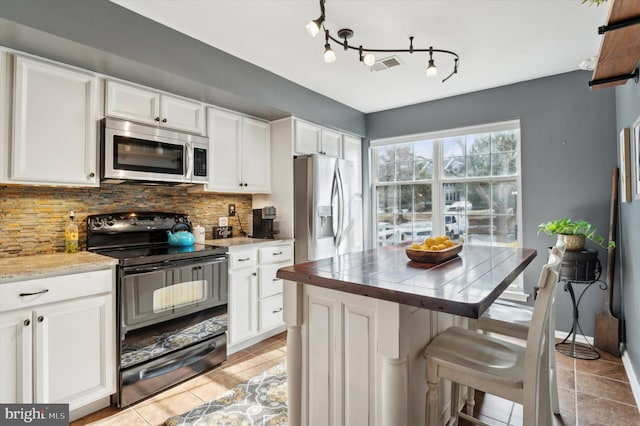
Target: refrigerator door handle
[(340, 185), (335, 206)]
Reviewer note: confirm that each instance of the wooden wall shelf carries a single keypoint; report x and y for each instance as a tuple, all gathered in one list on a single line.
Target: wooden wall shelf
[(620, 48)]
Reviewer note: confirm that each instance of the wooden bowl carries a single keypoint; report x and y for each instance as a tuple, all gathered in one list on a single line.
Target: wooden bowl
[(433, 256)]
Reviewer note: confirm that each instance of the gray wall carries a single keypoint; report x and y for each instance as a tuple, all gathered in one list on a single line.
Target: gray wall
[(101, 36), (628, 111), (568, 154)]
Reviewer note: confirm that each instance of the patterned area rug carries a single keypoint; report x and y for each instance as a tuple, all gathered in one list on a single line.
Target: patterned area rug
[(260, 401)]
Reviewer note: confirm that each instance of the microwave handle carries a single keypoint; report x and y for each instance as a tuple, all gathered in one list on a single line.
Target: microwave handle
[(189, 147)]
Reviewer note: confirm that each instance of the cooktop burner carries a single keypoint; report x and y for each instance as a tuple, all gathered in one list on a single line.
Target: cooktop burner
[(137, 238), (158, 253)]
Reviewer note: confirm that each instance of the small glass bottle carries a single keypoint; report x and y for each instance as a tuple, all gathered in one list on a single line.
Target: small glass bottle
[(71, 235)]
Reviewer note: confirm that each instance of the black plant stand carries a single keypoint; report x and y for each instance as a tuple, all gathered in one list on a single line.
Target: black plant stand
[(579, 268)]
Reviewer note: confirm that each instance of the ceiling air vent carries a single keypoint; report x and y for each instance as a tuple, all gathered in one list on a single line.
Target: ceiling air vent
[(383, 64)]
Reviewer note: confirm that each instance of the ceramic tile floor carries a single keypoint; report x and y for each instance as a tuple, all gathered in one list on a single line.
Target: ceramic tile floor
[(591, 392)]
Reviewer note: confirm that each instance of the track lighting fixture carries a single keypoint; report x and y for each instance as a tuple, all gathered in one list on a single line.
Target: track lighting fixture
[(366, 55)]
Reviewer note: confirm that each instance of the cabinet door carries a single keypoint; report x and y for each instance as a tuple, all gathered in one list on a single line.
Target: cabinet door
[(243, 318), (132, 103), (307, 138), (74, 351), (256, 156), (223, 129), (352, 151), (16, 357), (331, 143), (54, 125), (181, 114)]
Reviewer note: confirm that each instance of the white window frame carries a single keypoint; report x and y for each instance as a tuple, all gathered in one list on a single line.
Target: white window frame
[(516, 289)]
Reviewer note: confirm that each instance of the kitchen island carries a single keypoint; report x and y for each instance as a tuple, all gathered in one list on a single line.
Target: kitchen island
[(357, 325)]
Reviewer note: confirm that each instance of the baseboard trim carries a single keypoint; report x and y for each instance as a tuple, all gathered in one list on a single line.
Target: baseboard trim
[(633, 378), (579, 338)]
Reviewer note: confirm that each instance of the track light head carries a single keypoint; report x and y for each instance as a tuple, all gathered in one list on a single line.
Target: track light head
[(313, 27)]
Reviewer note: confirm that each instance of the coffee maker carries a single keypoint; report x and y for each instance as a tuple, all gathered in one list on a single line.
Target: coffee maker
[(263, 222)]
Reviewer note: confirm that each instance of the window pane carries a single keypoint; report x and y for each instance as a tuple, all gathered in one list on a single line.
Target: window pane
[(453, 159), (423, 157), (479, 195), (479, 165), (385, 163), (479, 144), (406, 199), (422, 197), (503, 164), (504, 141)]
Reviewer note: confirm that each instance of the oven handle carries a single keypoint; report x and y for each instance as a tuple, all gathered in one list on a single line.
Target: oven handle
[(169, 265), (174, 364)]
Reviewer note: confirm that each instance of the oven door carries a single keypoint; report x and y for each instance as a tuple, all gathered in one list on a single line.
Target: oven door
[(151, 294)]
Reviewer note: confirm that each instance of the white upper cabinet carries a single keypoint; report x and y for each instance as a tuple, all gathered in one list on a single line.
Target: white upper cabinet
[(223, 129), (352, 151), (240, 153), (312, 139), (54, 125), (331, 143), (256, 155), (144, 105), (307, 138)]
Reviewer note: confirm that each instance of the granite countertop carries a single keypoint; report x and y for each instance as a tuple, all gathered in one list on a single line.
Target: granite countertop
[(465, 285), (237, 242), (48, 265)]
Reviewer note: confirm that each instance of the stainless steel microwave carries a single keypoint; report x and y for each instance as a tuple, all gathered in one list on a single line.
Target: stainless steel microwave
[(134, 151)]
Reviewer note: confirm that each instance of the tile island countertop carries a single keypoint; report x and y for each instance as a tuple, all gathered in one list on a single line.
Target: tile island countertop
[(464, 285), (48, 265)]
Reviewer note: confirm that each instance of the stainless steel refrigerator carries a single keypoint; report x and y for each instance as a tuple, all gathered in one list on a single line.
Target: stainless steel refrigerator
[(328, 210)]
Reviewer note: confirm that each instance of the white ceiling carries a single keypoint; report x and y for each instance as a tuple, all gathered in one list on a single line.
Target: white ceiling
[(499, 41)]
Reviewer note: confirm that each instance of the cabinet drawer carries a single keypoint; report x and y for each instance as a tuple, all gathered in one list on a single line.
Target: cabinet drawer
[(241, 259), (271, 312), (269, 284), (54, 289), (276, 254)]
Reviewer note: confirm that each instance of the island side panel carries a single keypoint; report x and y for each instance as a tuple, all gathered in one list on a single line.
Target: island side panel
[(358, 360)]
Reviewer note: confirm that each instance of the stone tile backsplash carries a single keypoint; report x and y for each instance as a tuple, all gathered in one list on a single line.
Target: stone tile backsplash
[(33, 218)]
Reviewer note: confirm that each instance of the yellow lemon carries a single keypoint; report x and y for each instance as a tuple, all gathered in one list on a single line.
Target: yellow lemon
[(429, 242), (438, 239), (415, 246), (449, 243)]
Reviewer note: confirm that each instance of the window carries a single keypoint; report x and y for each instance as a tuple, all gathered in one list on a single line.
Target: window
[(462, 183)]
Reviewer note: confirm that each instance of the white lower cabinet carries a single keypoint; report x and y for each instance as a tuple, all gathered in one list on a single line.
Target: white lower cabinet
[(255, 294), (57, 345)]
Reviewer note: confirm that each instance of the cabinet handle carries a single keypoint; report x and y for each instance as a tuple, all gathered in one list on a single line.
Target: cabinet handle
[(245, 184), (92, 175), (240, 183), (275, 279), (277, 253), (277, 310), (27, 322), (254, 274), (244, 259), (33, 294), (157, 118), (40, 318), (164, 120)]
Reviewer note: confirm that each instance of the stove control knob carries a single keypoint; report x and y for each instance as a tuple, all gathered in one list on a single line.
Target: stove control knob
[(111, 221), (133, 221), (95, 223)]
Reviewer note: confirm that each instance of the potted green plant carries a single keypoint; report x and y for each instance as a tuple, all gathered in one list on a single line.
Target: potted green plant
[(574, 233)]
